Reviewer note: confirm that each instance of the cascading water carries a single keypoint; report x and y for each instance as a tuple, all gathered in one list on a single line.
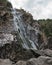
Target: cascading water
[(19, 25)]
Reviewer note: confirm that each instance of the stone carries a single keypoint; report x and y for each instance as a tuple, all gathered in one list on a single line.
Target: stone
[(5, 62), (6, 38), (21, 63), (46, 52), (42, 60), (15, 52), (32, 61)]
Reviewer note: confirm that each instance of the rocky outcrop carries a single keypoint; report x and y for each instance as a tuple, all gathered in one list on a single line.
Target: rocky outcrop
[(15, 52), (42, 60), (46, 52), (6, 38)]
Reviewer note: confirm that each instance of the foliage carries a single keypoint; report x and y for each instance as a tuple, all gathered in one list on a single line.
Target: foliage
[(3, 1), (46, 26), (9, 5)]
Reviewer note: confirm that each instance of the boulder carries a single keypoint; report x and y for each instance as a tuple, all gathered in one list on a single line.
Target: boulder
[(42, 60), (46, 52), (21, 63), (32, 61), (5, 62)]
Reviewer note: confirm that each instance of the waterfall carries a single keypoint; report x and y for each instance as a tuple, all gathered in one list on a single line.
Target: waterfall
[(19, 25)]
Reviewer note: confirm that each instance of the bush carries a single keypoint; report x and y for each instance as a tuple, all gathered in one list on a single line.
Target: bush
[(3, 1), (46, 26), (9, 5)]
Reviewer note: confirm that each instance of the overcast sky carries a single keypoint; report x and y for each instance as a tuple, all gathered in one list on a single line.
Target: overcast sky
[(40, 9)]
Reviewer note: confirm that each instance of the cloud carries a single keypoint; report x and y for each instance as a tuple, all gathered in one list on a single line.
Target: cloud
[(38, 8)]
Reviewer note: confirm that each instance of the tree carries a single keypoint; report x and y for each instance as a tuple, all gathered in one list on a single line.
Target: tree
[(46, 26)]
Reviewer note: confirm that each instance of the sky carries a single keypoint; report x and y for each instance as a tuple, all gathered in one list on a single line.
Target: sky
[(40, 9)]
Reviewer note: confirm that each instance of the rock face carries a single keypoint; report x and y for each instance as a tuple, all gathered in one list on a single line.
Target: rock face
[(6, 38), (6, 27), (6, 24)]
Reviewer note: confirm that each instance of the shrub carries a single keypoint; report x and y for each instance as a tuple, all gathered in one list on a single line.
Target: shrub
[(46, 26)]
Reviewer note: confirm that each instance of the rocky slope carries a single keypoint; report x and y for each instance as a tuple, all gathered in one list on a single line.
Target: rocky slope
[(22, 41), (12, 20)]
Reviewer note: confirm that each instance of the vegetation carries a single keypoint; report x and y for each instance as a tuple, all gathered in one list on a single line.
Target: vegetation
[(46, 26), (3, 1), (9, 5)]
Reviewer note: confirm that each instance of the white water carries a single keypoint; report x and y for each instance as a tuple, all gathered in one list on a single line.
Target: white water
[(19, 25)]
